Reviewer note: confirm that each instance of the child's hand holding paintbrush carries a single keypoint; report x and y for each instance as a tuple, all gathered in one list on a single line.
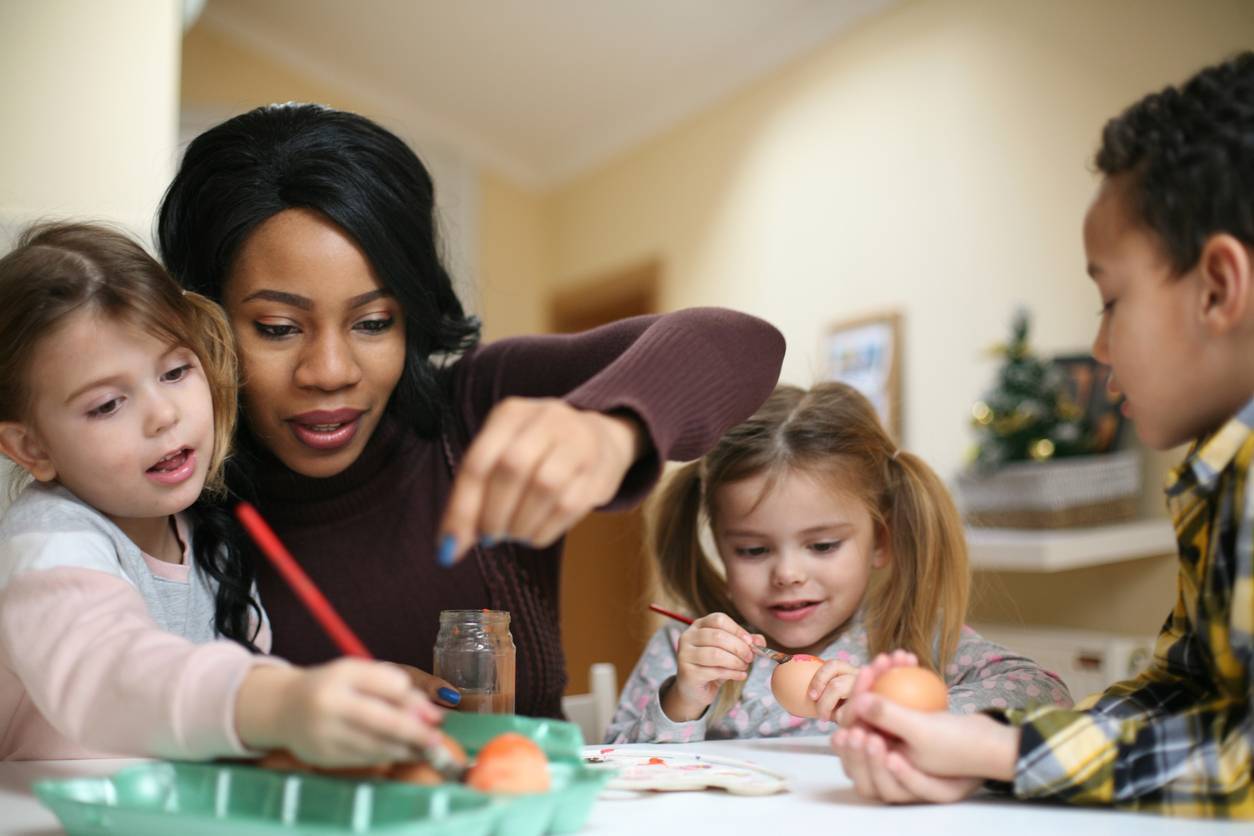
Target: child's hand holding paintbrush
[(713, 650), (350, 712)]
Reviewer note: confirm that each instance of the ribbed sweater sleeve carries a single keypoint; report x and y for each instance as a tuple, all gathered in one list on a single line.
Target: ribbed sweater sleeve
[(688, 376)]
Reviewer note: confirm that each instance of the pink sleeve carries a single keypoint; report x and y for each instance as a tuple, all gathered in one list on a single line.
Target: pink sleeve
[(102, 673)]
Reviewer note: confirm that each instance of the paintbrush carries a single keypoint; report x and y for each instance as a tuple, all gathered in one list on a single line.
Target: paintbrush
[(773, 655), (437, 755)]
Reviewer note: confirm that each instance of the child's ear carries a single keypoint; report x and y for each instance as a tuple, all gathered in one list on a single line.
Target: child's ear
[(881, 551), (19, 442), (1224, 267)]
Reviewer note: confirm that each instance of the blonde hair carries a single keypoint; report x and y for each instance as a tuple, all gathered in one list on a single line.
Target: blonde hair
[(57, 269), (917, 603)]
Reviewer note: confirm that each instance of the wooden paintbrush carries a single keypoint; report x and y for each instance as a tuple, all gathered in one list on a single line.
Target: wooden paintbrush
[(773, 655)]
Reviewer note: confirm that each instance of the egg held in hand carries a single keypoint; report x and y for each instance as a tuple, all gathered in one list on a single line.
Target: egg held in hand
[(790, 683), (916, 688)]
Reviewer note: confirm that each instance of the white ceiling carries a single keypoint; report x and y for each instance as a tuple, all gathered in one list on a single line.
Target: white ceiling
[(538, 89)]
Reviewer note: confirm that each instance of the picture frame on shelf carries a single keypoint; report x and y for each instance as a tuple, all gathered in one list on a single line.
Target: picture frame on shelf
[(866, 353), (1086, 383)]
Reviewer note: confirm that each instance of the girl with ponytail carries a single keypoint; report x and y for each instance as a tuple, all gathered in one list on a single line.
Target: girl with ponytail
[(830, 542)]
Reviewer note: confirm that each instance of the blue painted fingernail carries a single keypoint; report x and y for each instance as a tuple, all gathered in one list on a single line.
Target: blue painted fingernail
[(487, 542), (448, 550), (449, 696)]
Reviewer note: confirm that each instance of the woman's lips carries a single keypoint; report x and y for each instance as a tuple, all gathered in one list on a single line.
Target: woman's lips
[(326, 430), (174, 469)]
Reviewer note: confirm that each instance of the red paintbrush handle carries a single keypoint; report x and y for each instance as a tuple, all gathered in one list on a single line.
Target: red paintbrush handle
[(310, 596), (685, 619)]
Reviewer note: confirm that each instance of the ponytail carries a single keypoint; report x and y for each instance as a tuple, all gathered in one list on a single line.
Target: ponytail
[(687, 576), (921, 603)]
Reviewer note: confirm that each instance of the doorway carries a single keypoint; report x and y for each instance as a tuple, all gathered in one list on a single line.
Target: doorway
[(606, 573)]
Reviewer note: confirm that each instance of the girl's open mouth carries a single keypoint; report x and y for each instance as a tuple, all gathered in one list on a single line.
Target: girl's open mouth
[(175, 468)]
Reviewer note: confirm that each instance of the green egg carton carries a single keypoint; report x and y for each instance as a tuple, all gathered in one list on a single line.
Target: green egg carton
[(164, 797)]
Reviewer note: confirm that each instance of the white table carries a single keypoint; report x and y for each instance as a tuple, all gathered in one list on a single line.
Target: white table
[(820, 800)]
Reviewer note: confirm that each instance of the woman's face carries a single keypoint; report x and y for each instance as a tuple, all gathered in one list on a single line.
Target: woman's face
[(321, 341)]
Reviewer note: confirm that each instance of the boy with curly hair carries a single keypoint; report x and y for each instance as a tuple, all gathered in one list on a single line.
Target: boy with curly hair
[(1170, 245)]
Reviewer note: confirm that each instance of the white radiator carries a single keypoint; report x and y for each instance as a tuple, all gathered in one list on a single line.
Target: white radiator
[(1086, 661)]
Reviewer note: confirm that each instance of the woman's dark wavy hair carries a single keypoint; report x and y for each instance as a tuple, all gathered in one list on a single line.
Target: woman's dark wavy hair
[(57, 270), (1189, 154), (362, 177)]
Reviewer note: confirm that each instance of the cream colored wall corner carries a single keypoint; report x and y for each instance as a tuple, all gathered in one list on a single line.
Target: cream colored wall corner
[(934, 160), (90, 104)]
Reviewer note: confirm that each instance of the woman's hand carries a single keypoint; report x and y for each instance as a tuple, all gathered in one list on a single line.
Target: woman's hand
[(349, 712), (831, 686), (437, 690), (534, 470), (712, 650)]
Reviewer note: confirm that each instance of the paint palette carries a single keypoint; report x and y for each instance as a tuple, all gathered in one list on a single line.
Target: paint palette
[(663, 770)]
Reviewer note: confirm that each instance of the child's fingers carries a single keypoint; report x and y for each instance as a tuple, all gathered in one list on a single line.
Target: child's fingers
[(714, 657), (723, 640), (378, 679), (928, 787), (887, 787), (831, 669), (832, 696), (389, 722), (724, 622), (850, 746)]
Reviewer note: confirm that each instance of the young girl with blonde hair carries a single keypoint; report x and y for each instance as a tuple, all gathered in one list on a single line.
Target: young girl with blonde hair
[(128, 622), (832, 542)]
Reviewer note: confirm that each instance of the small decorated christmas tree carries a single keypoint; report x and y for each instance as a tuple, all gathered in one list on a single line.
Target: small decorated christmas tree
[(1028, 414)]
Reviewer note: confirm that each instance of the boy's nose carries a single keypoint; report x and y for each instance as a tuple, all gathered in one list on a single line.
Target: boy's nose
[(1101, 350)]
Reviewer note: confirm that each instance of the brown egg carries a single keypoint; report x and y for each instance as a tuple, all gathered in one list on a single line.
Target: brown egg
[(790, 683), (283, 761), (510, 763), (421, 772), (916, 688)]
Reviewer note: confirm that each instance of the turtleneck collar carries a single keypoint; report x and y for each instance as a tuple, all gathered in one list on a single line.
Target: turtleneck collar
[(285, 493)]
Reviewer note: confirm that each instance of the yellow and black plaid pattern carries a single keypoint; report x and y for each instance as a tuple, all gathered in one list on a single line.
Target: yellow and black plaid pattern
[(1177, 739)]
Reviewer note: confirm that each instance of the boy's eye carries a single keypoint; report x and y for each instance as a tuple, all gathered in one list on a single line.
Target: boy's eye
[(1107, 307), (751, 551), (826, 546), (107, 408), (270, 331), (375, 326), (177, 373)]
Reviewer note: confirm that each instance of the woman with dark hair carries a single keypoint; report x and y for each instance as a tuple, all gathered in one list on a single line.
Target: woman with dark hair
[(379, 437)]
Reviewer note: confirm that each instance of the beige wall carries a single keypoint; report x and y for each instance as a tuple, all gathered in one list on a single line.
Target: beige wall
[(934, 161), (90, 104)]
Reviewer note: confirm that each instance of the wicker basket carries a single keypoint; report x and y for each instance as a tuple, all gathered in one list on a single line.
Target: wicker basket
[(1082, 491)]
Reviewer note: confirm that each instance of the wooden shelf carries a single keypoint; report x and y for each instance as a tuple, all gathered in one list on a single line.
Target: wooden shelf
[(1057, 550)]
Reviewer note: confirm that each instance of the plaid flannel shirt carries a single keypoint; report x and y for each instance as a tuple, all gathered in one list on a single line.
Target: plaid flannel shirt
[(1178, 738)]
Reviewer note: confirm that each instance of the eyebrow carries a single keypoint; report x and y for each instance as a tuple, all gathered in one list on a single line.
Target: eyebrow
[(306, 304), (87, 387), (119, 378), (814, 529), (1092, 269)]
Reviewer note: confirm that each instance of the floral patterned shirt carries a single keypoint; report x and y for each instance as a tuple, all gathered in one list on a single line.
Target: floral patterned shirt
[(981, 675)]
